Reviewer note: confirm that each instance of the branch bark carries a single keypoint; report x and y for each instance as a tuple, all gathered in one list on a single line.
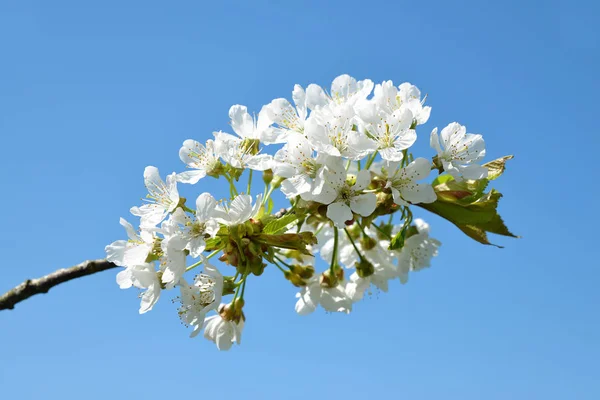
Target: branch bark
[(32, 287)]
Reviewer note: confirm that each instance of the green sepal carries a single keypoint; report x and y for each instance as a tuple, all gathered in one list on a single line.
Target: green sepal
[(497, 167), (294, 241), (278, 225)]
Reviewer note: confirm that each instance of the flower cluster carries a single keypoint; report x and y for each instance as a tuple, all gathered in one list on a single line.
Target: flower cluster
[(343, 160)]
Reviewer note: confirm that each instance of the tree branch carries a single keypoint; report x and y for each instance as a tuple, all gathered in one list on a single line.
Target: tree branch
[(32, 287)]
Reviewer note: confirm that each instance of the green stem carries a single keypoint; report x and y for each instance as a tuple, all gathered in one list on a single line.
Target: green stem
[(249, 182), (379, 229), (268, 194), (335, 250), (358, 164), (186, 208), (370, 160), (243, 288), (283, 262), (208, 257), (278, 266), (353, 244), (232, 190)]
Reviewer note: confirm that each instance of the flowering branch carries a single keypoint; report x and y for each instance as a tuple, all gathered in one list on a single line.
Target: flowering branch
[(344, 162), (32, 287)]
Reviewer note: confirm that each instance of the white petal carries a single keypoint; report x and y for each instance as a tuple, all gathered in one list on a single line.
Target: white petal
[(339, 213), (124, 279), (260, 162), (434, 141), (241, 121), (315, 97), (419, 169), (205, 207), (191, 177), (391, 154), (418, 193), (473, 171), (149, 298), (364, 204), (363, 180)]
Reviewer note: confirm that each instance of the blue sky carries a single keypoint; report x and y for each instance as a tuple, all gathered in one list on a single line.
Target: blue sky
[(92, 93)]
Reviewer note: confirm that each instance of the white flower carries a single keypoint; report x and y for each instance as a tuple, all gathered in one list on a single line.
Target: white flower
[(222, 332), (418, 249), (182, 232), (239, 153), (460, 152), (239, 210), (331, 131), (201, 159), (201, 297), (173, 265), (163, 198), (346, 255), (143, 277), (344, 90), (389, 99), (249, 128), (296, 162), (384, 269), (410, 97), (402, 182), (130, 252), (391, 132), (332, 188), (331, 299), (290, 120)]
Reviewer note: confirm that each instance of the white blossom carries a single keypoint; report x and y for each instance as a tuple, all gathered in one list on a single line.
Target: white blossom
[(459, 152), (297, 163), (418, 249), (141, 276), (344, 90), (331, 131), (391, 132), (223, 332), (250, 128), (163, 198), (403, 182), (289, 119), (239, 153), (238, 211), (201, 159), (190, 233), (342, 198), (331, 299), (133, 251), (201, 297)]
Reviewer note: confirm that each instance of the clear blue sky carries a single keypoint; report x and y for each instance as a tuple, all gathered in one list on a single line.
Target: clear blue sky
[(92, 93)]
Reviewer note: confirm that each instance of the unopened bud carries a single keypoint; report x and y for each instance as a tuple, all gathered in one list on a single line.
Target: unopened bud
[(267, 176), (364, 268), (368, 243)]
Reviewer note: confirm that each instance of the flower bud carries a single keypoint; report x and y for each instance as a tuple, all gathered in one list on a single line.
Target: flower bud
[(364, 268), (267, 176), (368, 243)]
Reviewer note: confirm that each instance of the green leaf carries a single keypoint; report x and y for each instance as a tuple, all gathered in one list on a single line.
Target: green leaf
[(397, 241), (474, 218), (497, 167), (280, 224), (293, 241), (442, 179), (213, 243)]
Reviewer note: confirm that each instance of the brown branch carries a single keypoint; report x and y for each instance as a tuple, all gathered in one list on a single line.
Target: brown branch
[(32, 287)]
